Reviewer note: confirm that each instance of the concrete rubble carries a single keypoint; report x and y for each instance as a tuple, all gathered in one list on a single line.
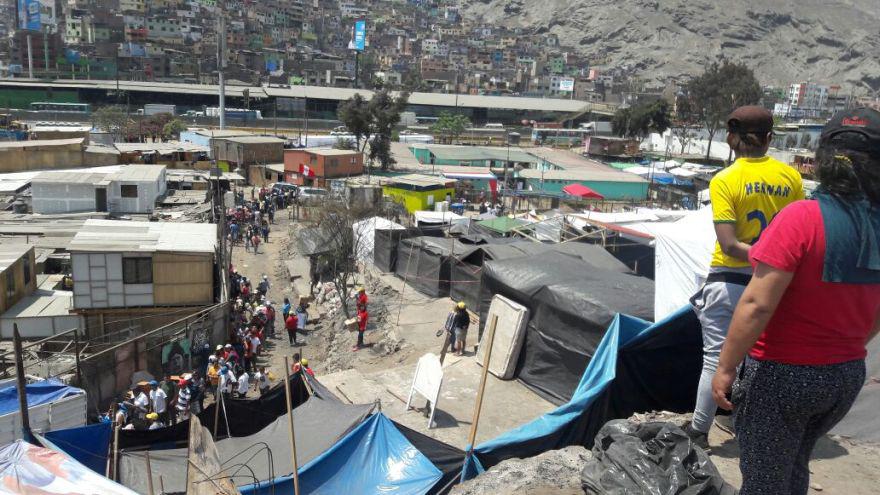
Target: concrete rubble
[(556, 471)]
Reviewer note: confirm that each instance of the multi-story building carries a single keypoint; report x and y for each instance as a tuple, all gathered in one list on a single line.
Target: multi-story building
[(808, 98)]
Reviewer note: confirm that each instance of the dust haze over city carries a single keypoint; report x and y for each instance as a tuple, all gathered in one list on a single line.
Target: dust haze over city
[(431, 247)]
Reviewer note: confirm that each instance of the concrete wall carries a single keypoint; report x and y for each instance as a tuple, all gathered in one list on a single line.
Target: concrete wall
[(418, 200), (49, 198), (53, 157), (148, 192), (98, 282)]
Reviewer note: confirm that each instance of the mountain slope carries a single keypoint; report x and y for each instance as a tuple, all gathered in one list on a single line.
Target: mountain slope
[(835, 41)]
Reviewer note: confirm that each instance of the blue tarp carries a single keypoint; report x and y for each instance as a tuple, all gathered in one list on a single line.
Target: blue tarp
[(374, 458), (37, 393), (637, 366), (86, 444)]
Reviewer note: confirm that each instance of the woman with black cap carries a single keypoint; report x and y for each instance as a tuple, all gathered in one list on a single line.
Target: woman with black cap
[(803, 322)]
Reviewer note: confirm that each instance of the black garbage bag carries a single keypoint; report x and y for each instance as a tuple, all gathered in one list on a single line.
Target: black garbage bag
[(654, 458)]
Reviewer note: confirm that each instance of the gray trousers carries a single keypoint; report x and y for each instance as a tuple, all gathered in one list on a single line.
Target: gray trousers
[(714, 308)]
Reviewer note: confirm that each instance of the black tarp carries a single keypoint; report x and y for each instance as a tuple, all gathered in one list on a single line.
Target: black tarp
[(445, 457), (319, 423), (571, 304), (424, 262), (245, 416), (466, 272), (385, 245), (658, 372)]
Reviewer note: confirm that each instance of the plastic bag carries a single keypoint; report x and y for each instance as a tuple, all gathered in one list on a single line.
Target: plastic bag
[(654, 458)]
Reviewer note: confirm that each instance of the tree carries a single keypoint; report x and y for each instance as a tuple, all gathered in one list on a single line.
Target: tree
[(450, 125), (718, 91), (372, 122), (642, 119), (154, 125), (355, 114), (112, 119), (343, 143), (683, 121), (172, 129)]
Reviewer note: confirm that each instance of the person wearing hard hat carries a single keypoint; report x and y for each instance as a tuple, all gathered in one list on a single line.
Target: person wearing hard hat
[(142, 401), (305, 367), (361, 299), (182, 401), (158, 400), (362, 317), (155, 423), (461, 320)]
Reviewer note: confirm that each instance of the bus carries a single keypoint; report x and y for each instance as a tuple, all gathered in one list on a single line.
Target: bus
[(52, 107)]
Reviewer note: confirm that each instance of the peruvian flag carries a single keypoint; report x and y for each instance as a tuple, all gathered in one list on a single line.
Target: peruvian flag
[(306, 171)]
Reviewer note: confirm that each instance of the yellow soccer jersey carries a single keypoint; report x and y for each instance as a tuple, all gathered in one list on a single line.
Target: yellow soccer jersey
[(749, 193)]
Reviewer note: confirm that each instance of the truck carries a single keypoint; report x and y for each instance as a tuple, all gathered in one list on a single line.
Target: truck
[(157, 108)]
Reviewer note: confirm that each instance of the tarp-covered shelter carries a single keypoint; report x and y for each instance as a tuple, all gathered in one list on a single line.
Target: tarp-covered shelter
[(319, 423), (364, 233), (571, 304), (466, 271), (374, 458), (385, 246), (501, 225), (26, 468), (637, 367), (424, 262), (51, 405)]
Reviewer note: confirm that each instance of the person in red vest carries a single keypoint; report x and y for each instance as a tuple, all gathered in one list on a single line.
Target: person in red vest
[(361, 299), (362, 317), (290, 324)]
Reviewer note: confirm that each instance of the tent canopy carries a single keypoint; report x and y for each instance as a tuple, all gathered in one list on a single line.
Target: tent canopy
[(571, 304), (38, 393), (582, 191), (424, 262), (364, 233), (374, 458), (502, 225)]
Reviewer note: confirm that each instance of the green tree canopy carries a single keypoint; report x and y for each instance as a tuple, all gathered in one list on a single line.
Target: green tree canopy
[(718, 91), (112, 119), (639, 120), (173, 128), (450, 125), (373, 121)]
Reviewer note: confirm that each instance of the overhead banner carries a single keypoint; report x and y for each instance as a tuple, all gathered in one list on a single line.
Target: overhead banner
[(358, 36)]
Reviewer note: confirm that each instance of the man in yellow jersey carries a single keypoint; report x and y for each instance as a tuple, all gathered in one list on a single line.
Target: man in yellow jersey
[(745, 198)]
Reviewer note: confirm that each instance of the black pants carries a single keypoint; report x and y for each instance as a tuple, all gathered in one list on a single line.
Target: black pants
[(360, 339), (781, 411), (291, 336)]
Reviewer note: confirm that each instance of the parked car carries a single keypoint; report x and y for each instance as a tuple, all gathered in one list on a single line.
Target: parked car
[(311, 195), (284, 187)]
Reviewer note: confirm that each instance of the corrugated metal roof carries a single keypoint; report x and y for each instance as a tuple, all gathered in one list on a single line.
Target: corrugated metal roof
[(147, 237), (10, 253), (36, 143), (470, 153), (254, 140), (609, 175), (162, 148), (418, 180)]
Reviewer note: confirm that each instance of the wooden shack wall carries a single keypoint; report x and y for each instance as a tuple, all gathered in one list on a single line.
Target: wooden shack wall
[(183, 279)]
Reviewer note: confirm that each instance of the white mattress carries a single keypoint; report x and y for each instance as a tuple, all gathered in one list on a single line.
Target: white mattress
[(510, 331)]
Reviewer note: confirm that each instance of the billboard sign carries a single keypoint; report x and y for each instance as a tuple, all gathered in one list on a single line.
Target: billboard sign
[(358, 36), (566, 84), (29, 14)]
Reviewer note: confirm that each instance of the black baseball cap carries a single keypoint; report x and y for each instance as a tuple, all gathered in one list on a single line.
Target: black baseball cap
[(858, 121), (750, 119)]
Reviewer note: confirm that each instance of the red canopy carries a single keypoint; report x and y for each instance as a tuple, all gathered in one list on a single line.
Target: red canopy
[(581, 191)]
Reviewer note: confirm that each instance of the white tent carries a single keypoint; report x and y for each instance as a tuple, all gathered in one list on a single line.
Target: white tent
[(438, 217), (365, 235)]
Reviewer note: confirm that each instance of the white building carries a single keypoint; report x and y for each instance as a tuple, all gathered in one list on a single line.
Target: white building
[(808, 97), (129, 189)]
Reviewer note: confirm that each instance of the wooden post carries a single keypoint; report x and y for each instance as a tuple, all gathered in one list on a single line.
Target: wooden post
[(110, 444), (21, 384), (149, 473), (161, 486), (115, 458), (479, 404), (290, 416), (217, 400)]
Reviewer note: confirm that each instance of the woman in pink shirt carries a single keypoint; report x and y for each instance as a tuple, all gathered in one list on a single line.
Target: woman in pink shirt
[(794, 359)]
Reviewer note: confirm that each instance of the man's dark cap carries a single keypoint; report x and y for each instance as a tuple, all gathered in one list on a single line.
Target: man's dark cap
[(752, 119), (857, 121)]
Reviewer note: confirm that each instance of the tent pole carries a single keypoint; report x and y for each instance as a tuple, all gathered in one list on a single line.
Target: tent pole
[(110, 444), (405, 275), (115, 451), (479, 404), (290, 417), (149, 473), (217, 409), (21, 383)]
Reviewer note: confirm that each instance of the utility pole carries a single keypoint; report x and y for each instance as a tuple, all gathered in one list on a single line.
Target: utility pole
[(21, 383), (221, 60), (30, 56)]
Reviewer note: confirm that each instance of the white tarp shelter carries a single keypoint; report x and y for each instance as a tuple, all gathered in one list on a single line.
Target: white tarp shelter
[(438, 217), (365, 235)]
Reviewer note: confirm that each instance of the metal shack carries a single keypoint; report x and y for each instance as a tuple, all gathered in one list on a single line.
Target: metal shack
[(128, 189)]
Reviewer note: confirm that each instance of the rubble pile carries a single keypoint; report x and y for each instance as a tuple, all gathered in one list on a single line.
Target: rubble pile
[(555, 471)]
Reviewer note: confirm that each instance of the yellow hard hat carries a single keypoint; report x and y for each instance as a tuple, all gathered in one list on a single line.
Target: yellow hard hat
[(360, 289), (304, 362), (461, 305), (152, 416)]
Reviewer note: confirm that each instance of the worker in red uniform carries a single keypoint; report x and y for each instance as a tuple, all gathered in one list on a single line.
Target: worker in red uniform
[(362, 317), (361, 299), (290, 324)]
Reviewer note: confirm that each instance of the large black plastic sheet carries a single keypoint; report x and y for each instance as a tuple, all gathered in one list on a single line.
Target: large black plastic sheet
[(656, 458), (640, 367), (444, 457), (385, 244), (424, 262), (466, 271), (571, 304), (245, 417)]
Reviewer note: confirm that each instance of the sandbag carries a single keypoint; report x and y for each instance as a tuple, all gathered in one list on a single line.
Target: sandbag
[(653, 458)]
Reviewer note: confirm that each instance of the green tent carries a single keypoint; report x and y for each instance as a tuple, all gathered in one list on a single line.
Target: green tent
[(502, 225)]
